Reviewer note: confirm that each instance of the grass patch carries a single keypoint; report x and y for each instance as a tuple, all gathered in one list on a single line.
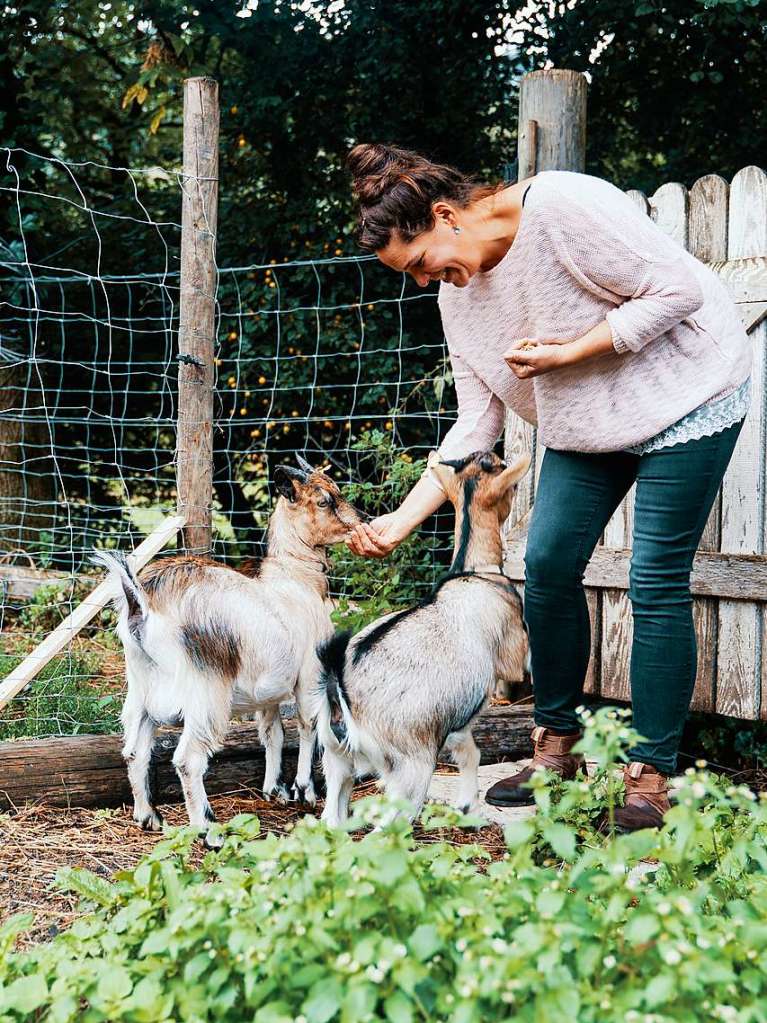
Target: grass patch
[(64, 699)]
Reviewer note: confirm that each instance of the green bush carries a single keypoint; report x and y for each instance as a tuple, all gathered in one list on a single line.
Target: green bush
[(317, 926), (61, 700), (372, 586)]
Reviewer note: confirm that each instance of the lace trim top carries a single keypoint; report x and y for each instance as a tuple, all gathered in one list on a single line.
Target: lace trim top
[(705, 420)]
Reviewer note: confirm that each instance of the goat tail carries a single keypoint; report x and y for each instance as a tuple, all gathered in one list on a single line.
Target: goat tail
[(335, 724), (129, 594)]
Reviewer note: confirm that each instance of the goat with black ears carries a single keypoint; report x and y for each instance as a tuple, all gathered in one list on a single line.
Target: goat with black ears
[(413, 681)]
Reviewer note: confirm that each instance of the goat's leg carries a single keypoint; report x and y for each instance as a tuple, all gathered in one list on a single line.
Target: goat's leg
[(303, 787), (409, 780), (464, 751), (339, 782), (191, 762), (138, 731), (271, 733), (206, 719)]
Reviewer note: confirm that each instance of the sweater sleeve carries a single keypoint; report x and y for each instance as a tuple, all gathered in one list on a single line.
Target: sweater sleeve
[(480, 416), (613, 252)]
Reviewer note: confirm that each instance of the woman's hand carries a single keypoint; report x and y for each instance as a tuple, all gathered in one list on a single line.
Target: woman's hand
[(529, 357), (378, 538)]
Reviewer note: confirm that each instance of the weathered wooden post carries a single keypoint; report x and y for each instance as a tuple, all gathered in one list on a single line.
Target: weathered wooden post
[(199, 217), (551, 135)]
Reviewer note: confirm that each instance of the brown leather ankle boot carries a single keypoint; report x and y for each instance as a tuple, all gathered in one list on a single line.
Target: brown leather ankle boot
[(646, 798), (550, 751)]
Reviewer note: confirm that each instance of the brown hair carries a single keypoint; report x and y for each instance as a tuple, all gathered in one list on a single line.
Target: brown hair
[(396, 189)]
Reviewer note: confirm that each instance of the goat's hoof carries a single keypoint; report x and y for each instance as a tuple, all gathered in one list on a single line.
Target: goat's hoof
[(304, 794), (149, 822), (471, 810), (212, 842), (277, 793)]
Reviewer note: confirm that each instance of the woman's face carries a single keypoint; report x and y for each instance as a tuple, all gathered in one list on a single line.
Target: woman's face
[(436, 255)]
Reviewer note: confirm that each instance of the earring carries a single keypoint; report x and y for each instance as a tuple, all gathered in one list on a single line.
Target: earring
[(457, 230)]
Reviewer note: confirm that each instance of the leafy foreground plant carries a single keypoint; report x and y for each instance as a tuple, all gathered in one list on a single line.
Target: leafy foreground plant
[(316, 926)]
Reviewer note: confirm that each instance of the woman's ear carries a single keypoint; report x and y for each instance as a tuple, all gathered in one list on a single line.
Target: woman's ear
[(445, 213)]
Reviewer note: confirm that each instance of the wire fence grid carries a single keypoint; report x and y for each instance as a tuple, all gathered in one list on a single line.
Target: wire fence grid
[(336, 358)]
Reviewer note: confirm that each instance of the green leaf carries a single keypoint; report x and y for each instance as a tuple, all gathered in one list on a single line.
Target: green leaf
[(561, 839), (115, 984), (425, 941), (398, 1008), (641, 928), (87, 884), (549, 903), (25, 994), (360, 1001), (660, 989), (323, 1002), (391, 866), (519, 832), (11, 929)]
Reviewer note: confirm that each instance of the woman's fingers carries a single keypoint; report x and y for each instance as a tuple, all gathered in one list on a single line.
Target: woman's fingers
[(519, 358), (367, 543)]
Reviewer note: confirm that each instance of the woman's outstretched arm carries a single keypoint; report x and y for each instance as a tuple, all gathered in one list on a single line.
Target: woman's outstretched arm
[(477, 428)]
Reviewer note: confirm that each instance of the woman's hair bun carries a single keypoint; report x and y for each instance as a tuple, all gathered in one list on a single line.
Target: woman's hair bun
[(376, 168), (396, 189)]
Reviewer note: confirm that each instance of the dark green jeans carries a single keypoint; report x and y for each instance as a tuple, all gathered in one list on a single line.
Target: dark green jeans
[(575, 498)]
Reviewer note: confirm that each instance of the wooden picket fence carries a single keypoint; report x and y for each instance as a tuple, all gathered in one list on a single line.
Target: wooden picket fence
[(725, 226)]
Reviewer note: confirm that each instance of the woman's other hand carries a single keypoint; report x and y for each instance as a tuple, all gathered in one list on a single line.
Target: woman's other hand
[(378, 538), (529, 357)]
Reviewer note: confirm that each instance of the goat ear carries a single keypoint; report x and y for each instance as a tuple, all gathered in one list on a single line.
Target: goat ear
[(504, 481), (285, 478), (304, 465)]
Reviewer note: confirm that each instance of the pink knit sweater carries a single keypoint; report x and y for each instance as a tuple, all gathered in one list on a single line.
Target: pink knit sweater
[(584, 253)]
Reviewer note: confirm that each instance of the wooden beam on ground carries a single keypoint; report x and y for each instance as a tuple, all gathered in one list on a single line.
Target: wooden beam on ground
[(64, 633), (19, 582), (88, 770)]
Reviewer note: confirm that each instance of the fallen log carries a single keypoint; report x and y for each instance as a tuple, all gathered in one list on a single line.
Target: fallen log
[(88, 770)]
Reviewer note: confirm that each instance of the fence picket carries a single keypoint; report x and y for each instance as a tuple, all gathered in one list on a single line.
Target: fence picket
[(707, 240), (668, 208), (741, 627)]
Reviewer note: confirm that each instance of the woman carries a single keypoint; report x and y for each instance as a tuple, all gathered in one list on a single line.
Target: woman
[(638, 371)]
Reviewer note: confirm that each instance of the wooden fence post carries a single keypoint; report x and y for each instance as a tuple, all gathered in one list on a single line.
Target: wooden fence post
[(551, 135), (199, 217)]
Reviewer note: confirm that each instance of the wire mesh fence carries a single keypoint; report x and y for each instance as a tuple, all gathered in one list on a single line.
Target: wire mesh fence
[(337, 358)]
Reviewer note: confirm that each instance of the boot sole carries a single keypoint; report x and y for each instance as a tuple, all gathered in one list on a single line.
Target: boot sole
[(509, 803)]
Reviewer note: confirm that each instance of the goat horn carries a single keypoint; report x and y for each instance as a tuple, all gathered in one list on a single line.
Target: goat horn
[(303, 464), (292, 472)]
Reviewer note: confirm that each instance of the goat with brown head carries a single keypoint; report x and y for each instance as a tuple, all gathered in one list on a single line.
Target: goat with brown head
[(204, 642)]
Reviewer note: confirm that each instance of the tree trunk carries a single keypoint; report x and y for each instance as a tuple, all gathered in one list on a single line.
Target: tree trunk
[(27, 482)]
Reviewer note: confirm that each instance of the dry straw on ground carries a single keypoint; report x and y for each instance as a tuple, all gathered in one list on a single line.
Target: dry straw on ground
[(36, 841)]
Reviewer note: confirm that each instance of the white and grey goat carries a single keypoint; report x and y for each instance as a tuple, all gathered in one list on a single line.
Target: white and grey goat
[(204, 642), (413, 681)]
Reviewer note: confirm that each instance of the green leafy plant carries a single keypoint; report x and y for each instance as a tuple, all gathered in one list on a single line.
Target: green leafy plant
[(319, 925), (371, 586)]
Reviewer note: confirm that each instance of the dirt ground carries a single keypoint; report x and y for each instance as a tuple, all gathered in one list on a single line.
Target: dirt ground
[(37, 841)]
